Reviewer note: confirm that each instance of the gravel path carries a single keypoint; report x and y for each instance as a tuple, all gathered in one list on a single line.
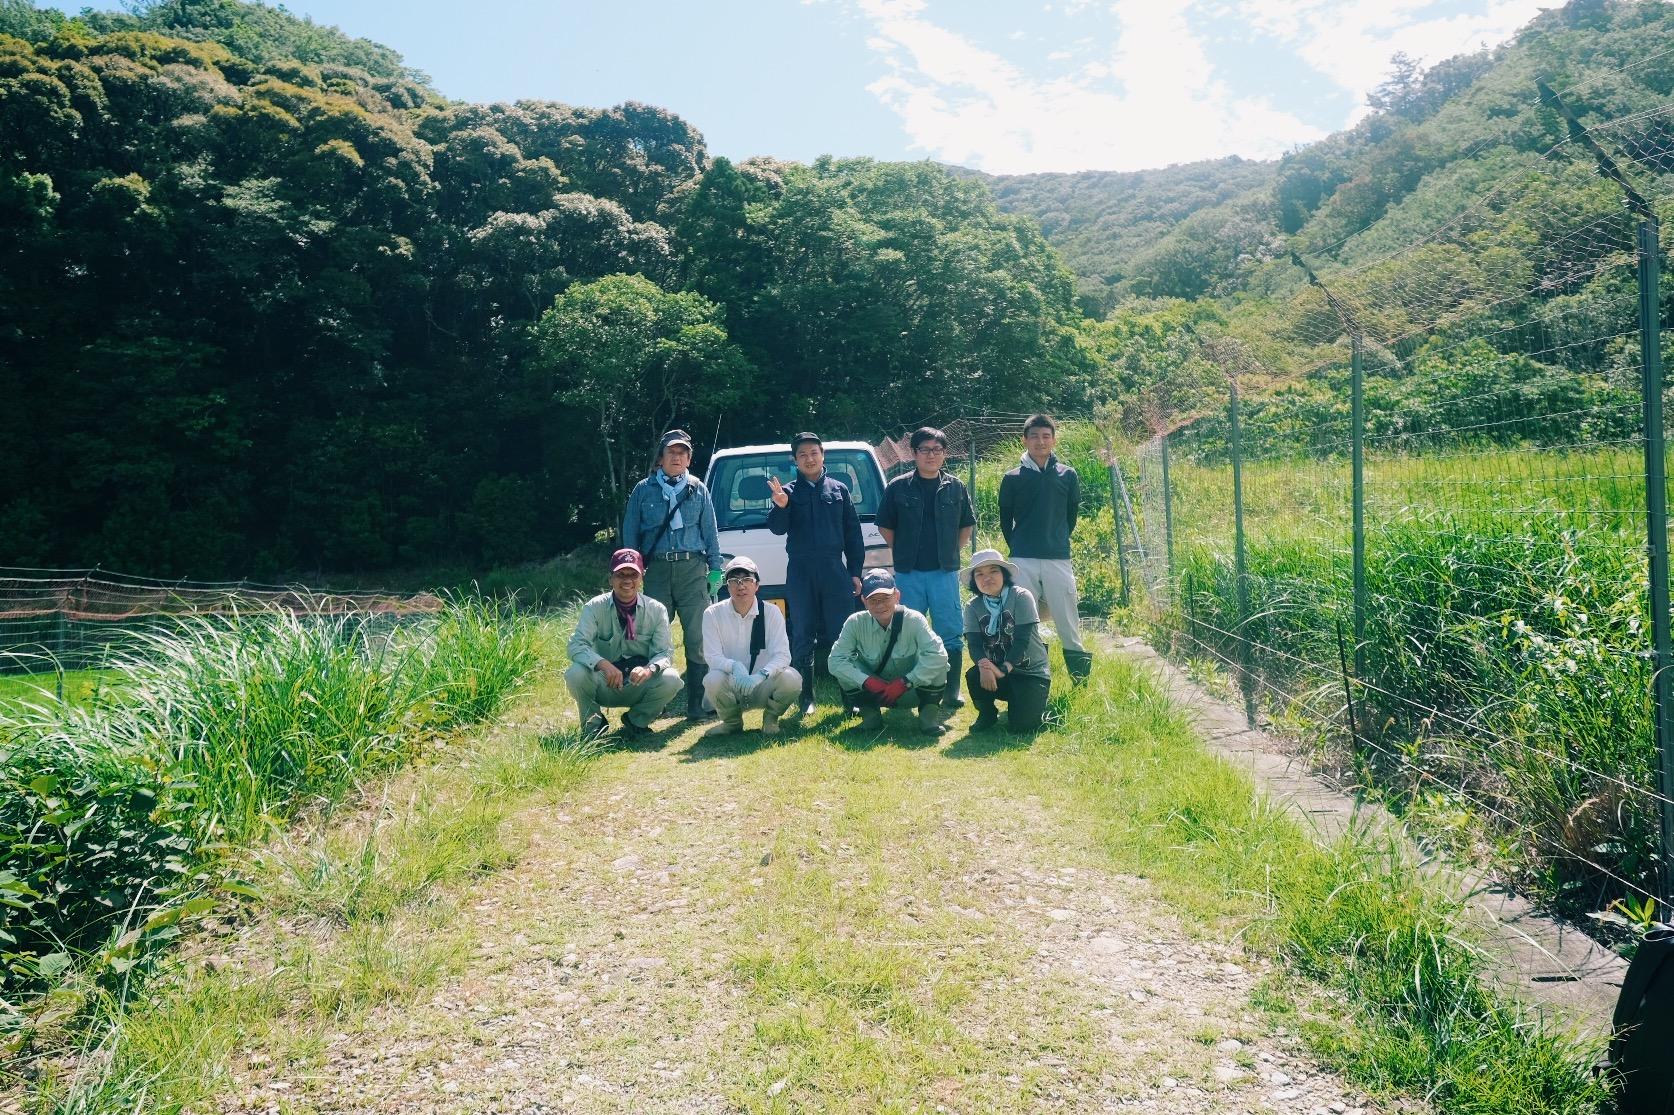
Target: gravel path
[(620, 966)]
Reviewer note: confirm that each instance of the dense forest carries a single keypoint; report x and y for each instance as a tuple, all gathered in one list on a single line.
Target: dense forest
[(270, 303)]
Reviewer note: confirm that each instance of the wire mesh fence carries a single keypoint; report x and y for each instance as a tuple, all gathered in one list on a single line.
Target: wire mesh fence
[(70, 619), (1416, 510)]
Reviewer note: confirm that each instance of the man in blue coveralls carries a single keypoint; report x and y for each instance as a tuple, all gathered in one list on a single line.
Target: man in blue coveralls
[(826, 550)]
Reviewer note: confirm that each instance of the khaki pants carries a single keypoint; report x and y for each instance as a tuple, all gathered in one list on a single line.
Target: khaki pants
[(683, 588), (644, 701), (1051, 582), (774, 694)]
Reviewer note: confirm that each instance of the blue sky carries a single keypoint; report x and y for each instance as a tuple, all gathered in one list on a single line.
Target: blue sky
[(1007, 86)]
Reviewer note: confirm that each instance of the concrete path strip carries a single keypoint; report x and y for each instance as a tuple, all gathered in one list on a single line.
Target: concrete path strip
[(1540, 961)]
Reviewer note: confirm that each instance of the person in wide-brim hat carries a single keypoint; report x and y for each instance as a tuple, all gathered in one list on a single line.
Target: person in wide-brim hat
[(1008, 656)]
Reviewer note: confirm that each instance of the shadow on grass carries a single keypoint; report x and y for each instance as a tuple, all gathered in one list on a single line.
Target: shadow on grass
[(983, 745), (735, 745)]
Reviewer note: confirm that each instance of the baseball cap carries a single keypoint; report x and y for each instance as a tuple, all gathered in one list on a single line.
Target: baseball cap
[(805, 436), (876, 581), (674, 437), (741, 563), (627, 559)]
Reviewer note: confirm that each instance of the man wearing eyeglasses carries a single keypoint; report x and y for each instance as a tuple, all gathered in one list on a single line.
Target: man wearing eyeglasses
[(927, 519), (748, 653)]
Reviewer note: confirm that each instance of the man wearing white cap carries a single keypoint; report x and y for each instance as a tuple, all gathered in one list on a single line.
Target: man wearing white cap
[(888, 657), (748, 653)]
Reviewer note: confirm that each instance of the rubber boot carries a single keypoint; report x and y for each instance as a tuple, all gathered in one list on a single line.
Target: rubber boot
[(955, 674), (930, 713), (805, 702), (694, 698), (1079, 664)]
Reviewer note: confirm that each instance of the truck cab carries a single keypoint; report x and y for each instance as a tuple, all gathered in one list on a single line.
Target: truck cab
[(737, 481)]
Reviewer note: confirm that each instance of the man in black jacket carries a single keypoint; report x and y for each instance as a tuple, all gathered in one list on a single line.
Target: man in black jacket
[(1039, 501), (826, 552), (927, 519)]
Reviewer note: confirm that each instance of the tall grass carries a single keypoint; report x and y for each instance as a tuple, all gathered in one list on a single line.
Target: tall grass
[(1505, 666), (1355, 915), (115, 814)]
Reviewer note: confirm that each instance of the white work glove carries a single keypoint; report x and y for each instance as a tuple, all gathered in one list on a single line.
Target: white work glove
[(740, 676)]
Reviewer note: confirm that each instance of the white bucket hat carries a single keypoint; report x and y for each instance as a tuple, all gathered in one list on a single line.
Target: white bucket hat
[(987, 557)]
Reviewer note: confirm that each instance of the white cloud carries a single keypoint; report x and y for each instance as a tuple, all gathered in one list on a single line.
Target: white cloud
[(1351, 42), (1151, 99)]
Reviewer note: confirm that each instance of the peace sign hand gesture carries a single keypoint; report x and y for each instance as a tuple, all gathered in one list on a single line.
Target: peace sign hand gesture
[(781, 498)]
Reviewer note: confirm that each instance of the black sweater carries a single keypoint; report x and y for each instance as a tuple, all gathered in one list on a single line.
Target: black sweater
[(1038, 508)]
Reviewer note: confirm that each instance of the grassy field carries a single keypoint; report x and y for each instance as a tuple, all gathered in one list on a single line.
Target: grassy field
[(1505, 685), (123, 817), (818, 924), (75, 686)]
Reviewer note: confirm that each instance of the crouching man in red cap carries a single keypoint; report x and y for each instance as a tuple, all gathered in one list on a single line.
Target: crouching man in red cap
[(621, 655)]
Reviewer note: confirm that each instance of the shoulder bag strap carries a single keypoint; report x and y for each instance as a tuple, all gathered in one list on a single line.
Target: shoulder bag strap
[(758, 633), (667, 519), (889, 647)]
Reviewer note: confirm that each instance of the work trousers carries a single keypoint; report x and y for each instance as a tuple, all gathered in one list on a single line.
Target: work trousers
[(1052, 583), (819, 596), (936, 594), (1024, 695), (644, 701), (683, 588), (773, 695)]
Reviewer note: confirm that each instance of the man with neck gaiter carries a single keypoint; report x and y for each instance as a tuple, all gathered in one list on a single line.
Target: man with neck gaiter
[(1039, 501), (622, 654), (671, 522), (826, 554)]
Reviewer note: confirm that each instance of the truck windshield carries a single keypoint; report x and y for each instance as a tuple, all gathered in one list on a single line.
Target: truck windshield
[(739, 488)]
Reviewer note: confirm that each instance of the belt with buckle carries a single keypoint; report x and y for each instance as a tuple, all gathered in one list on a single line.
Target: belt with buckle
[(677, 555)]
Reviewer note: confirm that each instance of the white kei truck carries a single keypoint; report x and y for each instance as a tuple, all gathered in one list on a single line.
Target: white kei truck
[(737, 481)]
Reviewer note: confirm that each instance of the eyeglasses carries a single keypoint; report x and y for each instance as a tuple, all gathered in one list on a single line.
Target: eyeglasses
[(931, 450), (739, 578)]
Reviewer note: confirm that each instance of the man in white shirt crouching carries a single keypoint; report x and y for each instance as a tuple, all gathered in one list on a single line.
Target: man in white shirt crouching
[(748, 654)]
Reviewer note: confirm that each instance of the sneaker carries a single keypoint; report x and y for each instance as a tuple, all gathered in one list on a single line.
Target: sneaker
[(769, 723), (595, 727), (630, 730)]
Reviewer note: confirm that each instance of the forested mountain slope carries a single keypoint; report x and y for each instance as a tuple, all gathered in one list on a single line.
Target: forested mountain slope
[(1440, 137), (271, 303), (1107, 224)]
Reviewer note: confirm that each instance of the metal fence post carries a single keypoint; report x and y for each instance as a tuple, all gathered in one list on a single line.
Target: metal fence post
[(1168, 515), (1116, 497), (1357, 437), (1656, 515), (1246, 680), (970, 470)]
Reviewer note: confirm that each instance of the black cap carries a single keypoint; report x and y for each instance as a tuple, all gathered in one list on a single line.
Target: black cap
[(805, 436), (674, 437), (875, 581)]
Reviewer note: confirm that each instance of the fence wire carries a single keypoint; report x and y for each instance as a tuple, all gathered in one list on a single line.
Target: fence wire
[(70, 619), (1488, 663)]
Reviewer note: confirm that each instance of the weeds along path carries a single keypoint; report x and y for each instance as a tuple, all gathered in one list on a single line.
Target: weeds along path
[(840, 922)]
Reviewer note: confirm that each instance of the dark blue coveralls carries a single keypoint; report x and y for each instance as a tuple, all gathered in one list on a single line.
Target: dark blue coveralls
[(826, 549)]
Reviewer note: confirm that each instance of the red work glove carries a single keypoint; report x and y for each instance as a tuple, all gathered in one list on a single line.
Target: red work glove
[(874, 686), (893, 691)]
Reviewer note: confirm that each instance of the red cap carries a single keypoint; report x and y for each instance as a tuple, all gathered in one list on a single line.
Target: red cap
[(627, 559)]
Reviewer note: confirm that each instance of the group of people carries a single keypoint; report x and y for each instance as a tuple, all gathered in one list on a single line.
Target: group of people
[(904, 648)]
